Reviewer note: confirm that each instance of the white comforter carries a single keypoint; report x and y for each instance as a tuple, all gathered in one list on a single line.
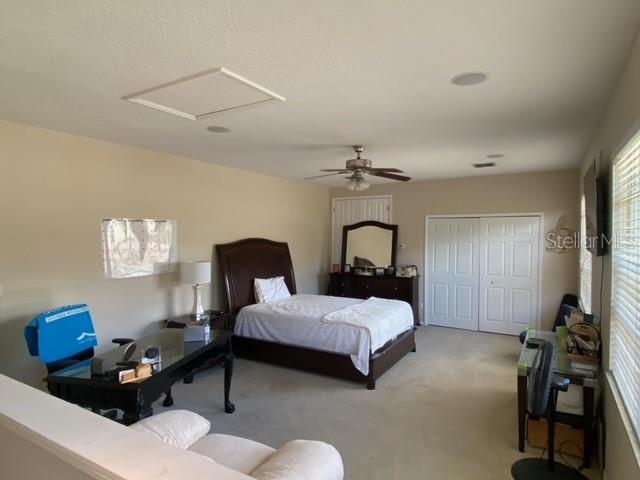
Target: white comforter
[(301, 320)]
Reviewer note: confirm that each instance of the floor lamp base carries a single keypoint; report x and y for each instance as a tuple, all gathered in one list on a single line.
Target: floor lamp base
[(538, 469)]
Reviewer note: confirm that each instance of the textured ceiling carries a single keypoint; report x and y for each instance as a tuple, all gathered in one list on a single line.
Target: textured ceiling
[(353, 71)]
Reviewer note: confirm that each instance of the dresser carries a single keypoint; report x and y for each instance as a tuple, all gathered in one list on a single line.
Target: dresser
[(360, 286)]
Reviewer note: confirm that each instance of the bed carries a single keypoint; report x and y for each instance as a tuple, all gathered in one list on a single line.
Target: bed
[(256, 336)]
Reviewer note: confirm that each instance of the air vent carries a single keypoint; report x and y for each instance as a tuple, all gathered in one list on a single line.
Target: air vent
[(484, 165), (204, 94)]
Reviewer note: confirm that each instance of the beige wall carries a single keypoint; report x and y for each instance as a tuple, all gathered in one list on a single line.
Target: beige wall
[(54, 190), (552, 193), (620, 122)]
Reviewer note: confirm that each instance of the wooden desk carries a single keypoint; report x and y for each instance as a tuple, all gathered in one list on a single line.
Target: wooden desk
[(587, 380), (180, 359)]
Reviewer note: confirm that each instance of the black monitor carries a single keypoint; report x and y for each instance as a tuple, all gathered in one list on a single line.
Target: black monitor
[(595, 212)]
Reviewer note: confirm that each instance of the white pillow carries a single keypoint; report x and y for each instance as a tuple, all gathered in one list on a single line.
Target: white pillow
[(180, 428), (270, 289)]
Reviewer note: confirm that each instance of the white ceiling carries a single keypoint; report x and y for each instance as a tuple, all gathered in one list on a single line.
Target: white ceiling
[(353, 71)]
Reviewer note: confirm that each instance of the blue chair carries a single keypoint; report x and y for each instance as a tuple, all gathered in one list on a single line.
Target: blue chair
[(63, 336)]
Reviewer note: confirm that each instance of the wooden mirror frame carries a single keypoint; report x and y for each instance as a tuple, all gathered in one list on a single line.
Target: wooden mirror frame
[(370, 223)]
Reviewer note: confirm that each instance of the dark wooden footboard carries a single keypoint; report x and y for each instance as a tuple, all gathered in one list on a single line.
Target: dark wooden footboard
[(326, 363), (385, 358)]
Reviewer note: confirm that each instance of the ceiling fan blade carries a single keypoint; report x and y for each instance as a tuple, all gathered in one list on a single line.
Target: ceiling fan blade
[(334, 170), (392, 176), (320, 176), (394, 170)]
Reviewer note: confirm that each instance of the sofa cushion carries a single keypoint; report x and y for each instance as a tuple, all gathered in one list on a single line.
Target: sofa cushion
[(180, 428), (240, 454), (302, 460)]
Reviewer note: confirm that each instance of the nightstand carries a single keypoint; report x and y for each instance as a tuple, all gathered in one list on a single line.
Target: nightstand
[(217, 320)]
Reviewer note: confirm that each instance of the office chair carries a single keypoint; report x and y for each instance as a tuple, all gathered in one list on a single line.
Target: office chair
[(65, 336), (542, 392), (568, 303)]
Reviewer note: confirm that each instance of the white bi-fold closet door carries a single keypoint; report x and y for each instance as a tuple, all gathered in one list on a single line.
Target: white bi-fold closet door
[(483, 273), (453, 276)]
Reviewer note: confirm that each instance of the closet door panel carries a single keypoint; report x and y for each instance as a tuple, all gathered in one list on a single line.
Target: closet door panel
[(508, 274), (452, 296)]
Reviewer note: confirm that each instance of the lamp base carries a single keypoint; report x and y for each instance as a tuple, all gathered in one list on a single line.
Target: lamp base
[(197, 311), (538, 469)]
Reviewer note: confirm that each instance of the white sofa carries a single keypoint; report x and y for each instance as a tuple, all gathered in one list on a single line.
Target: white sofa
[(295, 460), (44, 437)]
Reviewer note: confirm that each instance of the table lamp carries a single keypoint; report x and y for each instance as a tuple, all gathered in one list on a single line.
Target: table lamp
[(196, 274)]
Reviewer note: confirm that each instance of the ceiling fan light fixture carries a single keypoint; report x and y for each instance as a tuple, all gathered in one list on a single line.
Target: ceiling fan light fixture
[(361, 186), (357, 185), (358, 168)]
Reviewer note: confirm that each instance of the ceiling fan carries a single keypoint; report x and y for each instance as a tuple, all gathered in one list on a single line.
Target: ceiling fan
[(357, 168)]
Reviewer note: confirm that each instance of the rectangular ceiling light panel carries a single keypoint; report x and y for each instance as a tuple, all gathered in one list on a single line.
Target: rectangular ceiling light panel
[(204, 94)]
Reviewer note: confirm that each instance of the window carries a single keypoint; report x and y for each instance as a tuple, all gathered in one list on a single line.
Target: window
[(625, 288), (585, 261)]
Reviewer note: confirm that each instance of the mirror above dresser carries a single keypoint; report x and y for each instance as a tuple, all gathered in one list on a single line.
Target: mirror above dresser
[(369, 248), (369, 244)]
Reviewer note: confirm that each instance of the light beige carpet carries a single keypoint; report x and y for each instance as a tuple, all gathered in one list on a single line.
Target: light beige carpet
[(447, 411)]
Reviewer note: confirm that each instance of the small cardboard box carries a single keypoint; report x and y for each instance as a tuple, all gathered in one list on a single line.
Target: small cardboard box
[(568, 441)]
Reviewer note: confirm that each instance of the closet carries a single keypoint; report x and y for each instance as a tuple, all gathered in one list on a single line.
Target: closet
[(483, 272)]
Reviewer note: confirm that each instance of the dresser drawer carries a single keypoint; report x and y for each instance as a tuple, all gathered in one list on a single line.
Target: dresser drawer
[(365, 287), (362, 288), (399, 289), (340, 285), (355, 286)]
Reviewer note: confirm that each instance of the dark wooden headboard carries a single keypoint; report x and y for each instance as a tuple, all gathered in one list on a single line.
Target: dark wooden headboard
[(251, 258)]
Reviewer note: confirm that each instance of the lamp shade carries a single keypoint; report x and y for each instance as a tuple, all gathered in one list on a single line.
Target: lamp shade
[(195, 273)]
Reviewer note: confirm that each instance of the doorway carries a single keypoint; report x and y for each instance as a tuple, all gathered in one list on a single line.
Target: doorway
[(483, 272), (350, 210)]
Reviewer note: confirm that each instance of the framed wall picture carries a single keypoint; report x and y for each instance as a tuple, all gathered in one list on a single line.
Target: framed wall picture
[(138, 247)]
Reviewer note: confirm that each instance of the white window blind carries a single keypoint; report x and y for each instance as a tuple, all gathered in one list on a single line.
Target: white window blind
[(585, 261), (625, 288)]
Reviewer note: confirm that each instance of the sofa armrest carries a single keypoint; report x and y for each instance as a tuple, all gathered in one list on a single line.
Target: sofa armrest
[(180, 428), (302, 460)]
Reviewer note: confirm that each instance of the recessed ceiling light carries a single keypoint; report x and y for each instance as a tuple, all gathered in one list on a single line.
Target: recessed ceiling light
[(468, 79), (495, 155), (484, 165), (216, 129)]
